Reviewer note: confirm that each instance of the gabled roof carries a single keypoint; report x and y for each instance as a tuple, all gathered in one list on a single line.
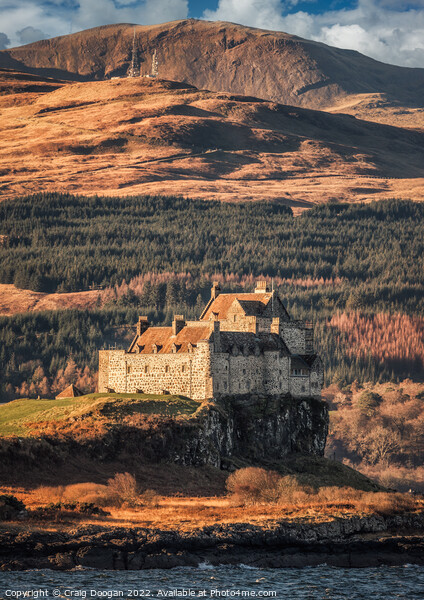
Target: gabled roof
[(70, 392), (249, 342), (164, 340), (254, 304)]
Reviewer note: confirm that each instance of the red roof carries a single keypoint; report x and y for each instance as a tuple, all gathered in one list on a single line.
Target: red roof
[(164, 340), (252, 304)]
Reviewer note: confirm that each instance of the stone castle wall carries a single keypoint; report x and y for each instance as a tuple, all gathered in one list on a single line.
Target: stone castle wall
[(187, 374), (205, 374), (208, 372)]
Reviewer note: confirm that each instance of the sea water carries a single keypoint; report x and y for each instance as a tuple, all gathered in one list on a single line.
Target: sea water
[(311, 583)]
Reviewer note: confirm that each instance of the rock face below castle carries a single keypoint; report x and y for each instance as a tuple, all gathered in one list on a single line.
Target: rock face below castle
[(243, 343), (254, 428)]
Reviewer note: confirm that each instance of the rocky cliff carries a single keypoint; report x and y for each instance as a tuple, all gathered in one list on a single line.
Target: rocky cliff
[(255, 428)]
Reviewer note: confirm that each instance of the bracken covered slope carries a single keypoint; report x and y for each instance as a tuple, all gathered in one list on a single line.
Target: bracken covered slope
[(223, 56), (132, 136)]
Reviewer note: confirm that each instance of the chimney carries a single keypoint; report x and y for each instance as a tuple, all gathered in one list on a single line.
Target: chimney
[(177, 324), (275, 325), (261, 287), (215, 290), (216, 332), (142, 325)]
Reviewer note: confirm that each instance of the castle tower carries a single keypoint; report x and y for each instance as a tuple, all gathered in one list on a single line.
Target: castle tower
[(134, 68)]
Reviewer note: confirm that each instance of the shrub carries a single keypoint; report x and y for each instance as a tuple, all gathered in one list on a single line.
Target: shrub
[(368, 402), (254, 484), (150, 498), (10, 506), (124, 488)]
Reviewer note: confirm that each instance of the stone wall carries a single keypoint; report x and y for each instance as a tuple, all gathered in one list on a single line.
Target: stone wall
[(186, 374), (205, 374), (297, 336)]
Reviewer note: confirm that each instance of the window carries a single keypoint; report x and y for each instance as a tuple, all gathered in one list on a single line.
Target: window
[(303, 389), (225, 385), (235, 318), (128, 369), (146, 369), (166, 368), (183, 368), (244, 371)]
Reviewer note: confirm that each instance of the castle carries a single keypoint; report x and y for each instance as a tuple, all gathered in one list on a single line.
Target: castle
[(243, 343)]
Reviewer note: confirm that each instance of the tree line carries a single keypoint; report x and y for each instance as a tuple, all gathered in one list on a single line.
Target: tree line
[(157, 256)]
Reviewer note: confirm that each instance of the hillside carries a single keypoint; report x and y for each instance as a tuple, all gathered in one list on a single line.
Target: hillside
[(136, 431), (132, 136), (223, 56)]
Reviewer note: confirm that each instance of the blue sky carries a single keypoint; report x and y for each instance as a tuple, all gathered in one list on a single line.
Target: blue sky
[(388, 30)]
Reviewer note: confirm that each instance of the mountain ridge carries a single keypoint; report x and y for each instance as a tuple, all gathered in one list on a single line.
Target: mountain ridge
[(222, 56)]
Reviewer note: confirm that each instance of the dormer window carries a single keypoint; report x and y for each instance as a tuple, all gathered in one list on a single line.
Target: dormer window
[(155, 348), (190, 347)]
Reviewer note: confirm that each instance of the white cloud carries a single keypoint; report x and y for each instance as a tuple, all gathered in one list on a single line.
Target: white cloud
[(382, 29), (4, 41), (59, 17), (30, 34), (257, 13)]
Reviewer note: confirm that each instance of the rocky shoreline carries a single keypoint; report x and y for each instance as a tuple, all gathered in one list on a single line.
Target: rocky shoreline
[(345, 542)]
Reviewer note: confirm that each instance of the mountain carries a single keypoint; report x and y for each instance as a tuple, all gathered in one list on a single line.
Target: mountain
[(221, 56), (132, 136)]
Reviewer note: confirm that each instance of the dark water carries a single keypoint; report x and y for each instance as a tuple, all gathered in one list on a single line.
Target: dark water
[(313, 583)]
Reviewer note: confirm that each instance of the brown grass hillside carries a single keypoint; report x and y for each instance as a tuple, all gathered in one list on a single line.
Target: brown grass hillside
[(127, 137), (223, 56)]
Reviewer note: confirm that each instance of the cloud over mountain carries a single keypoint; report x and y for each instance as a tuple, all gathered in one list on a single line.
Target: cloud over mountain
[(382, 29)]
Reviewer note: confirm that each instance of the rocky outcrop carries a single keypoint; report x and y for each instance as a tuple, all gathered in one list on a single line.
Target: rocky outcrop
[(252, 427), (349, 542)]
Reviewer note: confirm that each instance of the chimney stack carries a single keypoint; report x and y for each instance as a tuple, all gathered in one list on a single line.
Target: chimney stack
[(177, 324), (142, 325), (215, 290), (275, 325), (216, 332), (261, 287)]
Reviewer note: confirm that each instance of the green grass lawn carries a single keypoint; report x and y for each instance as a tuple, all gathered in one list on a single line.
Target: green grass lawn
[(15, 415)]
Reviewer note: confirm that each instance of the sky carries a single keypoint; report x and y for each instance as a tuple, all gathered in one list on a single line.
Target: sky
[(391, 31)]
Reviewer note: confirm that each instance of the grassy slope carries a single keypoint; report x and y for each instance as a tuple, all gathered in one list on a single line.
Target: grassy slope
[(16, 415)]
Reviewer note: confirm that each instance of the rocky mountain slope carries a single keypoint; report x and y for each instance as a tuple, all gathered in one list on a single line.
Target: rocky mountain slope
[(223, 56), (132, 136)]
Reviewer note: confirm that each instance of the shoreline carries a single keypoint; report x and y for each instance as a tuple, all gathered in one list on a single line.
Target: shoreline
[(355, 542)]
